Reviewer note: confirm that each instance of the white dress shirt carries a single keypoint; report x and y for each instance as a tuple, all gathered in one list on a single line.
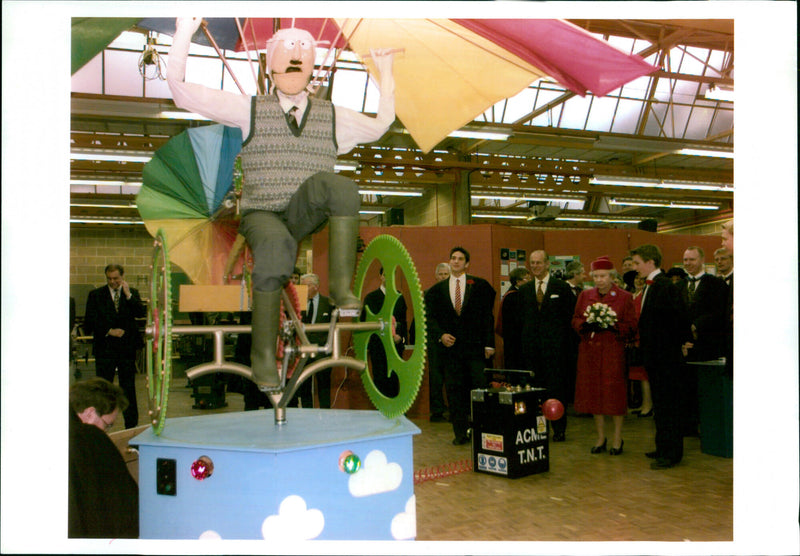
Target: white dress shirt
[(650, 276)]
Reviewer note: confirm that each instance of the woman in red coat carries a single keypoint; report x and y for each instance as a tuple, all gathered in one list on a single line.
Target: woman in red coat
[(605, 319)]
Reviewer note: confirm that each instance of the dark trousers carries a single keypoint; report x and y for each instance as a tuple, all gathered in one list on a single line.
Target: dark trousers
[(555, 382), (387, 382), (105, 367), (273, 236), (435, 381), (666, 385), (305, 393), (462, 375)]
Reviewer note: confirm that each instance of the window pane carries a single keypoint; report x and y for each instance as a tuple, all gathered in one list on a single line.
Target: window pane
[(348, 88), (89, 78), (122, 73)]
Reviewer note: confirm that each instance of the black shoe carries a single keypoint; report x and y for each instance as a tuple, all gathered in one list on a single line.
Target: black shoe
[(616, 451), (652, 455), (460, 441), (599, 449), (559, 437), (437, 418), (648, 414), (663, 463)]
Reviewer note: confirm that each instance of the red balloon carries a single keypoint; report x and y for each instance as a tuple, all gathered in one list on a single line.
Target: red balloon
[(552, 409)]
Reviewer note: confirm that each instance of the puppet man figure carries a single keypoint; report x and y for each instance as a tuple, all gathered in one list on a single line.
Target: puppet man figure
[(290, 188)]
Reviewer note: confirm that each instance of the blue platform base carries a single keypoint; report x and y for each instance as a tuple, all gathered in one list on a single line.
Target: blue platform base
[(279, 482)]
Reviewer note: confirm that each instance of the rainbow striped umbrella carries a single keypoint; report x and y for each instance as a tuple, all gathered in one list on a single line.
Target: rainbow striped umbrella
[(187, 191)]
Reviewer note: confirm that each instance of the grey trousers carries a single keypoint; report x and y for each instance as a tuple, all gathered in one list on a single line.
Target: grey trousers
[(273, 236)]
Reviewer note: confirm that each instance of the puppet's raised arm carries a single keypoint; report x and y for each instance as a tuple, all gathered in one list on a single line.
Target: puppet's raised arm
[(354, 127), (221, 106)]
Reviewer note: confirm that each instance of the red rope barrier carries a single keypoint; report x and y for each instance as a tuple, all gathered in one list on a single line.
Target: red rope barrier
[(441, 471)]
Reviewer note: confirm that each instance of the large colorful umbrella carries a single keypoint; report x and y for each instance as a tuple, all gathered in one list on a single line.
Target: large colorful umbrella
[(186, 191), (452, 70)]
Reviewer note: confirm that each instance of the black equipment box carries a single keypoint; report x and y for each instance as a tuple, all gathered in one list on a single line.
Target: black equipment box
[(512, 377), (208, 391), (509, 432)]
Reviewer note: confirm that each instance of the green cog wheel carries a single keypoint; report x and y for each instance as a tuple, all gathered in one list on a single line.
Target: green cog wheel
[(158, 347), (392, 255)]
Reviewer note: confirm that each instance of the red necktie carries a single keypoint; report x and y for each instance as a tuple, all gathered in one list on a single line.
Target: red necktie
[(458, 297)]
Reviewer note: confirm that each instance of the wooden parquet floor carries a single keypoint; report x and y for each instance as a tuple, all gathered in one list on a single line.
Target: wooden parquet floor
[(583, 497)]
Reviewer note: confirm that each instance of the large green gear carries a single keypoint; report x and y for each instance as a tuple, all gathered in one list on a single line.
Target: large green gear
[(391, 254), (158, 347)]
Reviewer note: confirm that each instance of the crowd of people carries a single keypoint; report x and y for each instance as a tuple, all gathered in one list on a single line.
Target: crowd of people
[(587, 346)]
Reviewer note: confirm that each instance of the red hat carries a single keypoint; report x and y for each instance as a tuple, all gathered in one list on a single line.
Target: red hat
[(602, 263)]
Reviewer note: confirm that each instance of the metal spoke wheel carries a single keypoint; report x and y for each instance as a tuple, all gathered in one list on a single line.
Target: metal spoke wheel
[(158, 347), (389, 252)]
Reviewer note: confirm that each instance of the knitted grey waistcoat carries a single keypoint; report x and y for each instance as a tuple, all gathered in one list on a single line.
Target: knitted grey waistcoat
[(275, 161)]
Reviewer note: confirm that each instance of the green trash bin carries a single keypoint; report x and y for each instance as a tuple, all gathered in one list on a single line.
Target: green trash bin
[(715, 397)]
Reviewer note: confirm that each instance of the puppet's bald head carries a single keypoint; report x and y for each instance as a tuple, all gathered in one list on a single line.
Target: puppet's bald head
[(290, 59)]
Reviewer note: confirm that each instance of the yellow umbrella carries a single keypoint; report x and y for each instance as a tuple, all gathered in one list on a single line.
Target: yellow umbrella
[(445, 76)]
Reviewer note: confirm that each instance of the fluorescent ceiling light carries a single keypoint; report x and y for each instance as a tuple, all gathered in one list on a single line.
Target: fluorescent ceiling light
[(526, 198), (372, 212), (508, 216), (395, 192), (116, 157), (665, 204), (490, 135), (95, 205), (611, 219), (109, 183), (100, 221), (716, 92), (183, 116), (659, 184), (706, 152)]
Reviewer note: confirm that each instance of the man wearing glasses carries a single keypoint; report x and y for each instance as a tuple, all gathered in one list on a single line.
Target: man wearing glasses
[(103, 497)]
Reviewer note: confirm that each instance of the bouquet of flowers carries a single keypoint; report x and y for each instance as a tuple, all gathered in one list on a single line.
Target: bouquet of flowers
[(600, 316)]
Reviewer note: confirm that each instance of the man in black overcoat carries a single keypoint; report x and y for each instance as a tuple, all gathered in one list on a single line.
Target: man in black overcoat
[(111, 313), (387, 383), (509, 321), (707, 297), (663, 329), (547, 333), (460, 317)]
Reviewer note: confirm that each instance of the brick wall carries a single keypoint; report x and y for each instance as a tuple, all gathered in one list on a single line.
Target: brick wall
[(91, 249)]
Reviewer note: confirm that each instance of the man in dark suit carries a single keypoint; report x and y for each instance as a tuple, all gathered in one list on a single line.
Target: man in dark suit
[(460, 318), (111, 313), (706, 297), (547, 333), (387, 384), (435, 370), (509, 321), (724, 261), (318, 311), (663, 329)]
